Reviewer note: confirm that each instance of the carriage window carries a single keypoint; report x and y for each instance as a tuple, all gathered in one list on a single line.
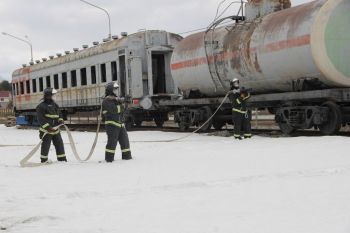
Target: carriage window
[(64, 80), (103, 73), (48, 81), (34, 85), (73, 75), (41, 84), (21, 88), (93, 75), (55, 81), (28, 87), (83, 76), (114, 71), (17, 90)]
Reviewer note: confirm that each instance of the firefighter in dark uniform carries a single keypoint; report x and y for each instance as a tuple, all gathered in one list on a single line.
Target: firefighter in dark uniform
[(112, 110), (49, 117), (240, 113)]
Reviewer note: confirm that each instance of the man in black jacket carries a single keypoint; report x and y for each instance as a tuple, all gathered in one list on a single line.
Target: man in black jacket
[(49, 117), (240, 113), (112, 110)]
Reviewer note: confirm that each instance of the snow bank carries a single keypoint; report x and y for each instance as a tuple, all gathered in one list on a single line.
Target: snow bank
[(198, 185)]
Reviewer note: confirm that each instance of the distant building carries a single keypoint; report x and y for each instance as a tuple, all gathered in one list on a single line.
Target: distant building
[(5, 98)]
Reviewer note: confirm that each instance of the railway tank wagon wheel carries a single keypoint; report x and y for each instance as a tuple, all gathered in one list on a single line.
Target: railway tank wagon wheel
[(207, 113), (160, 118), (218, 124), (333, 124), (183, 126), (159, 122), (286, 128), (138, 123)]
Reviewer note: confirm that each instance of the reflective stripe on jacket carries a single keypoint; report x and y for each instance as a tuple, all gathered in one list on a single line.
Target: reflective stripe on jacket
[(48, 114)]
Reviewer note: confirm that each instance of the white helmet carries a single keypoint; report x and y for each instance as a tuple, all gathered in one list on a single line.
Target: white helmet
[(112, 88), (235, 80)]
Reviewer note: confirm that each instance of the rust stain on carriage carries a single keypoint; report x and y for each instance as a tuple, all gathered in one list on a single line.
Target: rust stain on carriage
[(230, 55), (26, 70), (238, 41), (293, 17)]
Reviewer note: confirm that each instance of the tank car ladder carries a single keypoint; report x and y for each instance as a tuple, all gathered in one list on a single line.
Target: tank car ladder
[(211, 54)]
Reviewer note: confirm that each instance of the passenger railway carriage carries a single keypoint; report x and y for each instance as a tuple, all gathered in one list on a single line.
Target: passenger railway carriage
[(140, 63)]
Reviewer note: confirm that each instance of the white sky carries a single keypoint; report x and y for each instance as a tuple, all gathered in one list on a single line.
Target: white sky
[(58, 25)]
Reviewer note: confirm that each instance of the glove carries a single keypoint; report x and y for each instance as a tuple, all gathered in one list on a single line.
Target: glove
[(51, 130), (127, 99), (235, 91), (119, 100), (61, 121)]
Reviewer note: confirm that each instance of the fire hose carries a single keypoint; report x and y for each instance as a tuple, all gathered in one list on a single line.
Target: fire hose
[(25, 161)]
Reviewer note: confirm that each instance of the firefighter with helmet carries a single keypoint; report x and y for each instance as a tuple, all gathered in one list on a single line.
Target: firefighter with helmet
[(240, 114), (113, 108), (49, 118)]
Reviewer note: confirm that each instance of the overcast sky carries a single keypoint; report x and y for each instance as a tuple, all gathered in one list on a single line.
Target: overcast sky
[(57, 25)]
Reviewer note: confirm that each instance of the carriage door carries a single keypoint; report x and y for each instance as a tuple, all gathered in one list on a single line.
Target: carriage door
[(122, 70), (158, 73)]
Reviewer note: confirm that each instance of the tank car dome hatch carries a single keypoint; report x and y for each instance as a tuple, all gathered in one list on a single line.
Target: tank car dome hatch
[(258, 8), (51, 57), (31, 63), (75, 49), (105, 40), (123, 34), (115, 37), (67, 52), (58, 54), (44, 59), (85, 46), (95, 43), (37, 61), (24, 65)]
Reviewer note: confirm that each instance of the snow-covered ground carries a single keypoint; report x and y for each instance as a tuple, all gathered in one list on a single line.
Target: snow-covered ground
[(203, 184)]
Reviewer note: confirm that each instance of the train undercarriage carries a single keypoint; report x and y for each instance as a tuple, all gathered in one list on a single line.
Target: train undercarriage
[(324, 110)]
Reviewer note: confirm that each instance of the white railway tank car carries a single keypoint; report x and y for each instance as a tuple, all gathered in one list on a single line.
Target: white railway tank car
[(140, 63), (295, 59), (269, 53)]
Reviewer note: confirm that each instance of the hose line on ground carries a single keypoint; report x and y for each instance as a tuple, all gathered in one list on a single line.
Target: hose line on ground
[(25, 161)]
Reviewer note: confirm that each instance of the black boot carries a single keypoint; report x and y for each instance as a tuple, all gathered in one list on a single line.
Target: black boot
[(247, 136), (126, 155), (109, 157), (62, 159), (43, 160)]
